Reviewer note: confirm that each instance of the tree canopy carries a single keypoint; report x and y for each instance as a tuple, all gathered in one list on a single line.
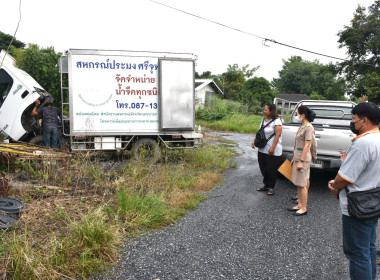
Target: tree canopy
[(312, 78), (362, 40), (5, 39), (256, 92), (42, 65), (232, 81)]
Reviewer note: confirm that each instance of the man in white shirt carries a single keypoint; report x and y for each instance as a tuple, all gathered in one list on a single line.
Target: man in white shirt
[(360, 172)]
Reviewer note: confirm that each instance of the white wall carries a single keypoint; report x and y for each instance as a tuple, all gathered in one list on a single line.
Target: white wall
[(201, 95)]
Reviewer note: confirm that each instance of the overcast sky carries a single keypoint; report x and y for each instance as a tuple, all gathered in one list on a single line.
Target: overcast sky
[(143, 25)]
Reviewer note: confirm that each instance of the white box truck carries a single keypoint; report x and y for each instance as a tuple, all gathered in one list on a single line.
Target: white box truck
[(116, 100)]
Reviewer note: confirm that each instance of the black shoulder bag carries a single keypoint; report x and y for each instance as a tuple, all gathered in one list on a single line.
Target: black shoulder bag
[(261, 140), (364, 205)]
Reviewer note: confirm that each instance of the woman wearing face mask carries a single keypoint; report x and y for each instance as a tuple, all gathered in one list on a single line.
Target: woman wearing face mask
[(302, 159), (269, 157)]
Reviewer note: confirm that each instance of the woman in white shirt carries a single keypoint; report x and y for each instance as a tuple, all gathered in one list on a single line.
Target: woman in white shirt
[(269, 157)]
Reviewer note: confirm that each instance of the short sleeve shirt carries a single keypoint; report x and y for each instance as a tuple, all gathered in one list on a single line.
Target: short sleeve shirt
[(361, 167), (49, 116), (304, 133), (269, 130)]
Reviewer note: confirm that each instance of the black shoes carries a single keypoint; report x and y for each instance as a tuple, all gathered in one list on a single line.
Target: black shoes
[(299, 214), (295, 212)]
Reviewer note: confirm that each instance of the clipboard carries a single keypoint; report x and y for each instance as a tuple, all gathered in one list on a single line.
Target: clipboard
[(286, 169)]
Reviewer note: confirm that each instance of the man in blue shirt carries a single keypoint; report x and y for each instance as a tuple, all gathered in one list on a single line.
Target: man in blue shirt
[(50, 122), (360, 172)]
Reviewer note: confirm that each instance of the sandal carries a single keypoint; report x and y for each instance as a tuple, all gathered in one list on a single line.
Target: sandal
[(270, 192), (262, 189)]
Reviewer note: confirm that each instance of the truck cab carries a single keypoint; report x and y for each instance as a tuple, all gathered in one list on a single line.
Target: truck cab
[(332, 132), (18, 92)]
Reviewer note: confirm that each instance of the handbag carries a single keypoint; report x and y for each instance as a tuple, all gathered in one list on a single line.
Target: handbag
[(261, 140), (364, 205)]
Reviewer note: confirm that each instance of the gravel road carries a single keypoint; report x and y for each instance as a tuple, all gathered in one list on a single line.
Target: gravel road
[(239, 233)]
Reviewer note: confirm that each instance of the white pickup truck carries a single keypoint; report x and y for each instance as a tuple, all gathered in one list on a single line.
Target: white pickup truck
[(332, 132)]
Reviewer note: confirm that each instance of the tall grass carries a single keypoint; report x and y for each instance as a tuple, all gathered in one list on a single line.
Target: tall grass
[(236, 122), (228, 115), (146, 211), (76, 218), (86, 248)]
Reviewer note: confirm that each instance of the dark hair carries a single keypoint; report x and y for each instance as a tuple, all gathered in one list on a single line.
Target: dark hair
[(309, 114), (273, 110), (369, 110), (49, 104)]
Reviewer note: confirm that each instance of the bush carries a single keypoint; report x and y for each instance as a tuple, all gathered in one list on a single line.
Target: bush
[(221, 109)]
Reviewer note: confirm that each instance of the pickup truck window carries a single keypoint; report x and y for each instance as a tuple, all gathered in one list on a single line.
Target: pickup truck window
[(6, 83), (331, 115)]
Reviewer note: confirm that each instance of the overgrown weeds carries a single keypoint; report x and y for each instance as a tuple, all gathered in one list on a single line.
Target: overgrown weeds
[(236, 122), (78, 213)]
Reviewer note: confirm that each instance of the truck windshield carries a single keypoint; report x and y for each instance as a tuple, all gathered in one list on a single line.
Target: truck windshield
[(6, 83)]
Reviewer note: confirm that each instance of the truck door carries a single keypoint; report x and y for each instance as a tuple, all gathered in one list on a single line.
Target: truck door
[(177, 101), (6, 83), (14, 100)]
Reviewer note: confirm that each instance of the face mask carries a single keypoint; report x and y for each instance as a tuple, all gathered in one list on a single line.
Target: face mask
[(352, 127), (297, 118)]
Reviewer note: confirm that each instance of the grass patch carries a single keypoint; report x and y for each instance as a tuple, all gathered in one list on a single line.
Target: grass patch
[(78, 213), (236, 122), (146, 211)]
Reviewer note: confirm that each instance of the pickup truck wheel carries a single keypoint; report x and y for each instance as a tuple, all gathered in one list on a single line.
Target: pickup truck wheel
[(38, 140), (146, 149)]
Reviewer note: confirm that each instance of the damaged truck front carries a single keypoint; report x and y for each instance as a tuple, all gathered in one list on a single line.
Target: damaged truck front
[(18, 93)]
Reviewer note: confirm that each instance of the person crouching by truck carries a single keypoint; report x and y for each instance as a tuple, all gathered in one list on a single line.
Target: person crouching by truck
[(269, 157), (50, 123)]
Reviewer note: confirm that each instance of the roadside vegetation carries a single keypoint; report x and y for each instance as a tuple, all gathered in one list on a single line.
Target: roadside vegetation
[(79, 212), (228, 115)]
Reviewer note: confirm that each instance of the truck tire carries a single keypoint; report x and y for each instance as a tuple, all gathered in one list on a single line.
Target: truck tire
[(38, 140), (146, 149)]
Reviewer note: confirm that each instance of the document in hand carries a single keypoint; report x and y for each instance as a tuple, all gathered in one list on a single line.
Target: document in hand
[(286, 169)]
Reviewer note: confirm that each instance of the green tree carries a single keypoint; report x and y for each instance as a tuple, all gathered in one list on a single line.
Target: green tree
[(205, 75), (5, 39), (42, 65), (315, 96), (256, 93), (232, 81), (298, 76), (362, 40)]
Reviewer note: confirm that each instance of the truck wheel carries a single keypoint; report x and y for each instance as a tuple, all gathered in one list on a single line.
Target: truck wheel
[(146, 149), (38, 140)]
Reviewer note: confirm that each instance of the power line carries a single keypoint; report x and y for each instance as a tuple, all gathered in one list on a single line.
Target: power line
[(257, 36), (221, 24), (14, 35)]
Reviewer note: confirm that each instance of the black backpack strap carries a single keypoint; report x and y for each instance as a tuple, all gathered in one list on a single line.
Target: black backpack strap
[(262, 124), (270, 137), (268, 123)]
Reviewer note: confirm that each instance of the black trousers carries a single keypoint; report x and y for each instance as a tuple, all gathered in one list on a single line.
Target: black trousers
[(268, 167)]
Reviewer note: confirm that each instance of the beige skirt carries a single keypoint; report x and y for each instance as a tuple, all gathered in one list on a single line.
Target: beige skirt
[(300, 176)]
